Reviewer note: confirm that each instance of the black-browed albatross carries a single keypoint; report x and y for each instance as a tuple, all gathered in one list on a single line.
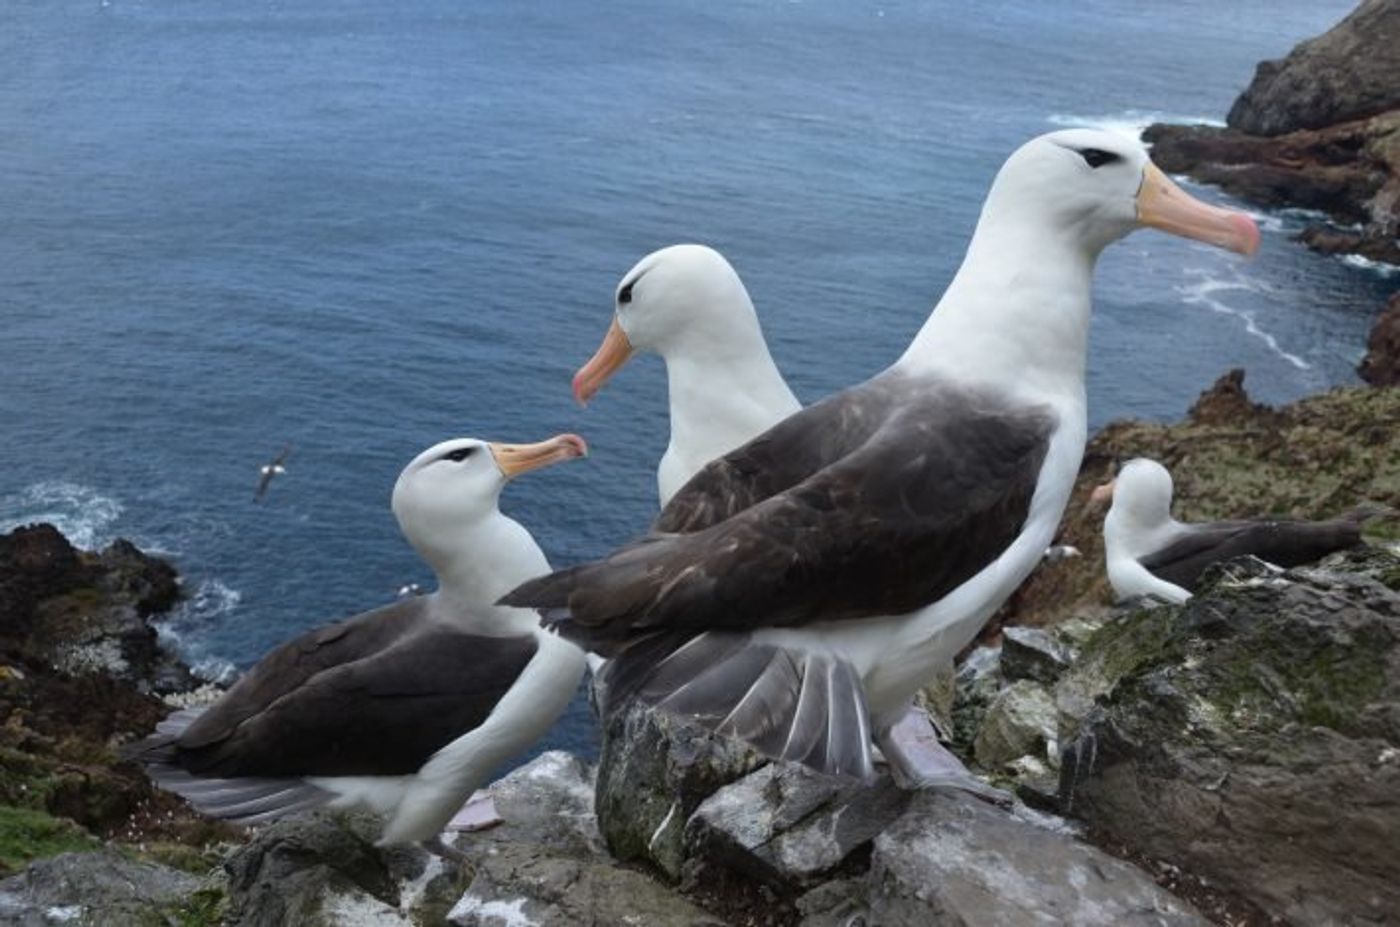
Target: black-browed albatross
[(1149, 553), (687, 304), (406, 709), (796, 592)]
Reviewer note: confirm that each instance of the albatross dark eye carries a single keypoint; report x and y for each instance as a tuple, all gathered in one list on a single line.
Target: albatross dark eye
[(459, 455), (624, 295), (1097, 157)]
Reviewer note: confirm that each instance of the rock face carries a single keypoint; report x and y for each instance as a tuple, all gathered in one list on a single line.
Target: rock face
[(953, 860), (787, 827), (79, 666), (1314, 458), (545, 866), (1349, 72), (103, 889), (654, 771), (1254, 735), (1381, 365)]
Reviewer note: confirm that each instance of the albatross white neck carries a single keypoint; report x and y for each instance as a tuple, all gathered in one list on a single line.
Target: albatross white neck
[(1017, 313), (488, 557)]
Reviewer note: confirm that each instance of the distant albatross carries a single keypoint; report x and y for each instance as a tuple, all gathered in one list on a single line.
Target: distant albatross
[(405, 709), (268, 471), (797, 591), (1150, 553)]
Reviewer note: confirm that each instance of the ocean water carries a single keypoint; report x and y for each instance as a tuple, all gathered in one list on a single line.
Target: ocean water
[(364, 227)]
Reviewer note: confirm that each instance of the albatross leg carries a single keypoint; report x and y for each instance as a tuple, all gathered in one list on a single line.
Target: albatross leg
[(479, 813), (450, 854), (919, 761)]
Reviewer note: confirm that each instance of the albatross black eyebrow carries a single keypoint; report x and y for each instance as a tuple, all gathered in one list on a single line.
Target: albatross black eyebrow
[(1097, 157), (458, 454), (624, 295)]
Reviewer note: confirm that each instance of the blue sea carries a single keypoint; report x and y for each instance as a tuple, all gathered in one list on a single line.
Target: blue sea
[(364, 227)]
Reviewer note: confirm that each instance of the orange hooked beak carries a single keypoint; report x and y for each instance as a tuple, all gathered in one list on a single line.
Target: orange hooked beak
[(1101, 496), (1161, 204), (515, 459), (606, 361)]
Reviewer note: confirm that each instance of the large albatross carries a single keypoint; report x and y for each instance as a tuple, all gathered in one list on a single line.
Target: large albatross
[(1150, 553), (405, 709), (796, 591)]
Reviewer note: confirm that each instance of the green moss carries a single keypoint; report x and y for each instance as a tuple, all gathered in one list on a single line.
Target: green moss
[(180, 856), (27, 834), (205, 908)]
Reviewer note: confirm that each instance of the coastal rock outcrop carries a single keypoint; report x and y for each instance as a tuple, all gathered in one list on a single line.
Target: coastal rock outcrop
[(1381, 365), (1318, 130), (1253, 735), (1349, 72)]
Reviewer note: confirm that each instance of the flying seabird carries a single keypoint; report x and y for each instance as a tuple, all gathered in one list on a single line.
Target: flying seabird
[(269, 470), (688, 305), (797, 591), (405, 709), (1150, 553)]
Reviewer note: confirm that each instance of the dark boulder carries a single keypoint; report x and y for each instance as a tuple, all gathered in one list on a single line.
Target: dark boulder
[(1349, 72)]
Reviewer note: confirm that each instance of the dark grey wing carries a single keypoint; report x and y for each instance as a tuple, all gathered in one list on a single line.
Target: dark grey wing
[(364, 697), (783, 456), (1284, 543), (932, 497), (803, 706)]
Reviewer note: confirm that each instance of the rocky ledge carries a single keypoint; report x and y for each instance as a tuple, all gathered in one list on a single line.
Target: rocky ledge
[(1233, 761)]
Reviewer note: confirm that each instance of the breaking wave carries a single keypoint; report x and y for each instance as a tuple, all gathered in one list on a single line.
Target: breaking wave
[(1130, 123), (1203, 293), (84, 515)]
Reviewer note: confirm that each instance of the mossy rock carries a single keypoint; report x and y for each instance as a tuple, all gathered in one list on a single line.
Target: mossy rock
[(27, 834), (1253, 735)]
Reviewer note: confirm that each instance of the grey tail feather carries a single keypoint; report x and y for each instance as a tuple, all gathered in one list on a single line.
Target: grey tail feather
[(242, 801), (806, 706)]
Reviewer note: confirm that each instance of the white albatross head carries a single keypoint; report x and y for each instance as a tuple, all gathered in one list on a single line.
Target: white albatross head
[(685, 298), (1141, 494), (456, 484), (1098, 186)]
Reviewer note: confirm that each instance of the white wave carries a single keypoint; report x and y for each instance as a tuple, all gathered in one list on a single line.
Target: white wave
[(1376, 267), (211, 601), (1200, 294), (84, 515), (1130, 123)]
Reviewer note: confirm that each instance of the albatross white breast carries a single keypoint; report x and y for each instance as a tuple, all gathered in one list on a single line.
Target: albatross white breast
[(1147, 552), (797, 590), (405, 709)]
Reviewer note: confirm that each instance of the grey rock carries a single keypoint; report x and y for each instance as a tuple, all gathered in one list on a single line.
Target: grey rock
[(654, 771), (312, 869), (527, 886), (1348, 72), (938, 698), (1031, 653), (1021, 721), (978, 681), (548, 802), (1253, 737), (100, 889), (954, 861), (787, 826)]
